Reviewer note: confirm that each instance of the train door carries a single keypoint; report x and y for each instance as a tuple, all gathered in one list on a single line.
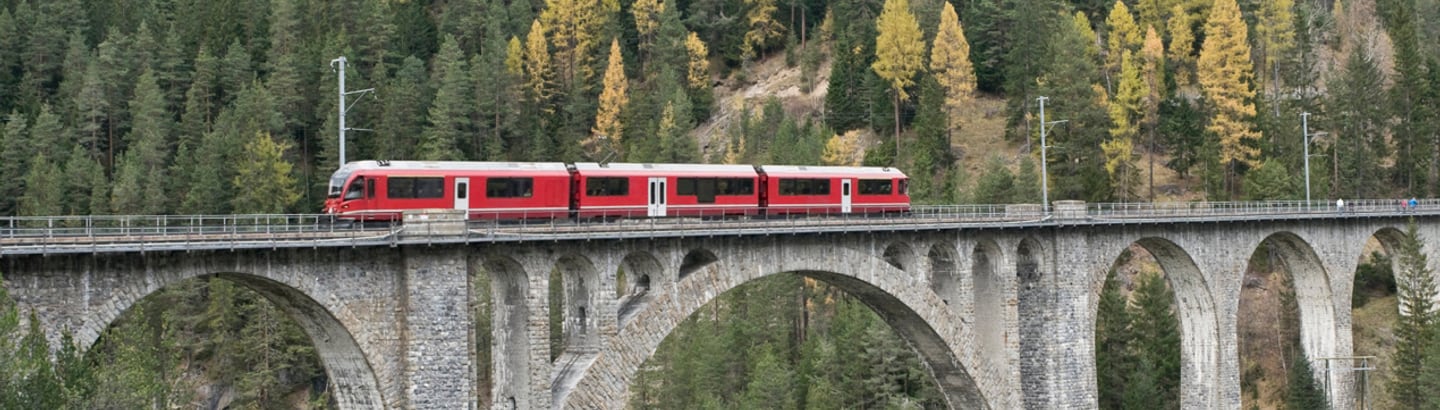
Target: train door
[(845, 195), (462, 193), (657, 197)]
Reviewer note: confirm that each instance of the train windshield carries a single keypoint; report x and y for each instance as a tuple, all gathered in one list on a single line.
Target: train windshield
[(337, 181)]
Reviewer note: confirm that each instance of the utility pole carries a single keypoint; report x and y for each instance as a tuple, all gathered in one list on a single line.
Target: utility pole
[(1305, 132), (1044, 171), (344, 108)]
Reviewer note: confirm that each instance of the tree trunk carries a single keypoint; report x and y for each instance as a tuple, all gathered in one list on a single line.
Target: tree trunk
[(896, 160)]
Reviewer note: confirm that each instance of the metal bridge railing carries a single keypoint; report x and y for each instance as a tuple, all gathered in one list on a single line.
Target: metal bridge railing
[(144, 231)]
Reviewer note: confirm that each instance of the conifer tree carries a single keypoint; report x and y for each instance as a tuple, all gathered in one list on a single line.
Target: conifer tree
[(91, 108), (1156, 334), (996, 184), (285, 79), (698, 73), (11, 44), (1153, 55), (574, 29), (1409, 95), (647, 20), (537, 64), (950, 64), (763, 29), (1415, 327), (839, 150), (1112, 339), (236, 71), (1123, 35), (1276, 32), (1225, 75), (264, 182), (604, 137), (1126, 111), (403, 120), (1302, 390), (1027, 183), (1077, 164), (1092, 40), (140, 177), (1182, 43), (451, 109), (15, 155), (43, 189), (899, 52), (1357, 113), (674, 130), (1154, 12), (79, 178)]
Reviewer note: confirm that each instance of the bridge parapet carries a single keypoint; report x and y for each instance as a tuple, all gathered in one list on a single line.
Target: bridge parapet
[(434, 222)]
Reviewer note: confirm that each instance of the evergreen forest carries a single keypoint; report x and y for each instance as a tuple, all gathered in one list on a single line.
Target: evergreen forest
[(151, 107)]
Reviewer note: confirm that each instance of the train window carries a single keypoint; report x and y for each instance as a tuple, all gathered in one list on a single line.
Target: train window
[(607, 186), (684, 186), (355, 190), (462, 190), (875, 187), (509, 187), (804, 187), (370, 188), (415, 188), (904, 186)]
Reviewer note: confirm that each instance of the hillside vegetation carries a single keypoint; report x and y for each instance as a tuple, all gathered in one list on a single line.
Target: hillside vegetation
[(146, 107)]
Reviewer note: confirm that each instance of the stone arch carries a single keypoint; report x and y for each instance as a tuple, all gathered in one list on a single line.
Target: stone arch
[(581, 280), (510, 292), (1313, 294), (1390, 239), (900, 255), (642, 270), (1199, 321), (695, 260), (1029, 260), (945, 274), (120, 281), (989, 292), (915, 313)]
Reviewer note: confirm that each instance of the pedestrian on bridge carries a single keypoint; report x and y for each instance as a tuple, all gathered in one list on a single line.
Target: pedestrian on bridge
[(1340, 205), (1413, 204)]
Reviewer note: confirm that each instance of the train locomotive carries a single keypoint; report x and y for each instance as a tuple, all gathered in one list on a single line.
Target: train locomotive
[(383, 190)]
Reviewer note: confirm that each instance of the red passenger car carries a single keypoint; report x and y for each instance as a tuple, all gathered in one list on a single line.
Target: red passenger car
[(833, 190), (655, 190), (381, 190)]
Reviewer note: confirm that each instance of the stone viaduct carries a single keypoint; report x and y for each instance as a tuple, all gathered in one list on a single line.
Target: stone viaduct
[(1002, 314)]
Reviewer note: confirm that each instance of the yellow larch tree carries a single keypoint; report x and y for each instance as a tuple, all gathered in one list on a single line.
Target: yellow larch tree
[(1125, 113), (605, 137), (537, 63), (763, 28), (950, 63), (1225, 73), (1092, 41), (1153, 55), (899, 52), (1277, 37), (1182, 45), (698, 72), (515, 58), (647, 20), (839, 150), (1122, 34), (573, 27)]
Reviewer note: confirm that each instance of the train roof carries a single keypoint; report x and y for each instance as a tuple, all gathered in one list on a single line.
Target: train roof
[(455, 166), (630, 168), (803, 170)]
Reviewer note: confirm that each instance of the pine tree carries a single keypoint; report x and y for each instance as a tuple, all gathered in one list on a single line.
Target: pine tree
[(403, 120), (1270, 181), (1409, 94), (1112, 339), (537, 65), (604, 137), (1157, 337), (43, 189), (647, 20), (698, 73), (1143, 390), (1302, 390), (899, 52), (1415, 327), (950, 64), (15, 156), (496, 89), (80, 175), (236, 72), (996, 185), (574, 29), (1225, 75), (451, 109), (140, 178), (1357, 113), (1077, 164), (674, 130), (772, 385), (285, 76), (1154, 12)]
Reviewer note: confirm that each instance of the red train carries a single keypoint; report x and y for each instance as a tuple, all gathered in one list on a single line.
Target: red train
[(381, 190)]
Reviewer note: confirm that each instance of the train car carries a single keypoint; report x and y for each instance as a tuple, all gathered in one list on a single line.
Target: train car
[(381, 190), (657, 190), (833, 190)]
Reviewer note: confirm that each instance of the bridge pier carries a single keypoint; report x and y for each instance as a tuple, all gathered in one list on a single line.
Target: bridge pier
[(437, 333)]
